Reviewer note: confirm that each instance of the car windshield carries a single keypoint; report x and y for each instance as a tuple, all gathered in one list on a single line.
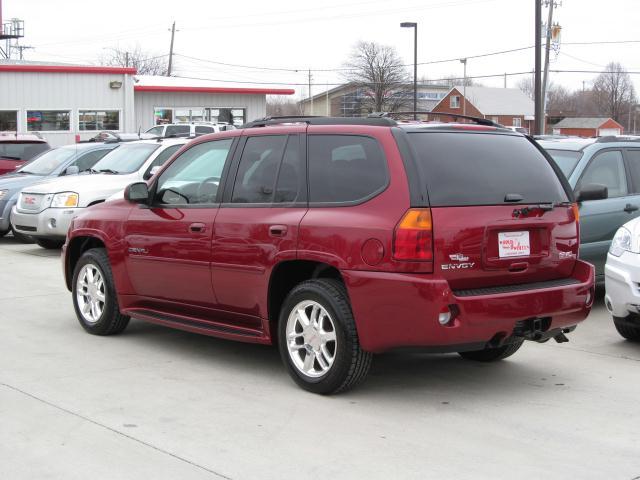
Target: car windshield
[(126, 158), (21, 150), (48, 162), (566, 160)]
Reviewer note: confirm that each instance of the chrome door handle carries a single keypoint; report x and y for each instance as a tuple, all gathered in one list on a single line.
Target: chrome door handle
[(197, 227), (278, 230)]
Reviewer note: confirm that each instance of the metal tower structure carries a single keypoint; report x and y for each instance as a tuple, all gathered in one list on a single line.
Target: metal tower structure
[(10, 32)]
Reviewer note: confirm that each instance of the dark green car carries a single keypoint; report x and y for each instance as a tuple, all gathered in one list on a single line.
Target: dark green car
[(587, 163)]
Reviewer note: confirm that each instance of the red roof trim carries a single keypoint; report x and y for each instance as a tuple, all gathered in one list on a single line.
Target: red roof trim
[(65, 69), (246, 91)]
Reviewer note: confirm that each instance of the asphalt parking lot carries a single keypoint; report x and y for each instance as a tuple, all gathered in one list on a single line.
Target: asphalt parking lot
[(163, 404)]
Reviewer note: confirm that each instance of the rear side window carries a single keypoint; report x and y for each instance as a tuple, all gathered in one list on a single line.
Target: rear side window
[(345, 168), (481, 169), (177, 130), (566, 160), (200, 129)]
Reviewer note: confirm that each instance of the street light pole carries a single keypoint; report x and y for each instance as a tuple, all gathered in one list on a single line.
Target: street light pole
[(414, 25), (464, 86)]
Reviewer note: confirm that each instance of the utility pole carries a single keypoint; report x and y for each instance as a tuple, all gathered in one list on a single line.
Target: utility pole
[(539, 113), (505, 79), (545, 80), (173, 33), (21, 49), (126, 59), (310, 97), (464, 86)]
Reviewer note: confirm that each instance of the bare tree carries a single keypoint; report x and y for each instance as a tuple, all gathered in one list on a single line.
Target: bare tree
[(613, 91), (452, 80), (278, 106), (527, 85), (379, 75), (145, 62)]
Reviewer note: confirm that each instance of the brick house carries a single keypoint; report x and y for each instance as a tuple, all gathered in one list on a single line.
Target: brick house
[(588, 127), (507, 106)]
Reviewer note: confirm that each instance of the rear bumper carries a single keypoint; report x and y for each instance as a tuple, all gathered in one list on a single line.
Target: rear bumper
[(394, 310), (622, 281), (50, 223)]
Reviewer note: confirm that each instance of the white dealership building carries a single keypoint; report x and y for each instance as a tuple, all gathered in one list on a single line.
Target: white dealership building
[(67, 103)]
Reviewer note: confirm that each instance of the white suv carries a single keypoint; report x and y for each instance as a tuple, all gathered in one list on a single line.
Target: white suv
[(45, 210), (189, 129), (622, 280)]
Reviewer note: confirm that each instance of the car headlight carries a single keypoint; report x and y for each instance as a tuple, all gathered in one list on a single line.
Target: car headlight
[(621, 242), (3, 193), (64, 199)]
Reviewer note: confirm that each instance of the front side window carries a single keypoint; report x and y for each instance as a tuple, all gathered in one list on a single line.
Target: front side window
[(454, 101), (194, 177), (88, 160), (345, 168), (98, 120), (161, 159), (126, 158), (607, 169), (48, 120), (256, 177), (8, 120)]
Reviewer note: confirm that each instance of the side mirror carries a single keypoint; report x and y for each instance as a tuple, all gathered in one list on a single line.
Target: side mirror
[(152, 172), (72, 170), (137, 193), (592, 191)]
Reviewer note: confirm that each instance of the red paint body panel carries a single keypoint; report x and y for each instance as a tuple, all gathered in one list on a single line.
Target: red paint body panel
[(8, 166), (216, 281)]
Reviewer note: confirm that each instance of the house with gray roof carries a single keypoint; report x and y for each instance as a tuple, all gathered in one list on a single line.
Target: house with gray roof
[(588, 127)]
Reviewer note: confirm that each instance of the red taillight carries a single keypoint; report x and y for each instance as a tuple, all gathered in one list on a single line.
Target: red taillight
[(413, 237)]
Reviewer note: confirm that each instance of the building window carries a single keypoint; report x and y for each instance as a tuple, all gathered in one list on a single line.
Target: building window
[(48, 120), (454, 101), (495, 119), (8, 120), (98, 120), (162, 116), (517, 122)]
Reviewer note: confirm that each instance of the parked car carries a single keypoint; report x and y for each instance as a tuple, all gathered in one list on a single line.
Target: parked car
[(622, 277), (17, 149), (58, 162), (612, 162), (188, 129), (44, 211), (338, 238)]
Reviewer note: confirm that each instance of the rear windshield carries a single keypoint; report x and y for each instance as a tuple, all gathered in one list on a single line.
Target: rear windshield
[(481, 169), (566, 160), (126, 158), (21, 151)]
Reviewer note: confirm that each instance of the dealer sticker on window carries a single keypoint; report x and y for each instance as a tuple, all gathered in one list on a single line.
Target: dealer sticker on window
[(513, 244)]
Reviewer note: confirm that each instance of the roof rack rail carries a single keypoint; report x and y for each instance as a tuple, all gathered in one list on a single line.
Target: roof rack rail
[(478, 120), (617, 138), (316, 120)]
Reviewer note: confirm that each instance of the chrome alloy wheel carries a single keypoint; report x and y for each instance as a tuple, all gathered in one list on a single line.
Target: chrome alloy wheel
[(91, 293), (311, 339)]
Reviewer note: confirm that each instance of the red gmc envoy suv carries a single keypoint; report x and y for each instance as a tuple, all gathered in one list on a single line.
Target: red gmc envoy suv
[(338, 238)]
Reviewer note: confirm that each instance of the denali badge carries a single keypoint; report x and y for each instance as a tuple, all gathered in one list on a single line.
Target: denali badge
[(458, 257), (138, 251)]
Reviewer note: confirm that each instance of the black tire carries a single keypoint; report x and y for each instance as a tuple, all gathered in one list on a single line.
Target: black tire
[(629, 332), (492, 354), (111, 321), (2, 234), (49, 244), (351, 364)]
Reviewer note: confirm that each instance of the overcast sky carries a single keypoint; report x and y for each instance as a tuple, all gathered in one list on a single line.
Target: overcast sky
[(291, 34)]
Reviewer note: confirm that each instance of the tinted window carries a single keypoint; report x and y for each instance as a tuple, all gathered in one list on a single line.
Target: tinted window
[(49, 161), (160, 160), (566, 160), (194, 177), (21, 150), (176, 130), (607, 168), (126, 158), (345, 168), (88, 160), (256, 177), (290, 183), (204, 129), (480, 169), (634, 168)]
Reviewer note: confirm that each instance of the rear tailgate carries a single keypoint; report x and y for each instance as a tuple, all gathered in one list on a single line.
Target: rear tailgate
[(501, 215)]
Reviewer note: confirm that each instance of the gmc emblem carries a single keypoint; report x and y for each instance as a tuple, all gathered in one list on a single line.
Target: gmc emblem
[(29, 200)]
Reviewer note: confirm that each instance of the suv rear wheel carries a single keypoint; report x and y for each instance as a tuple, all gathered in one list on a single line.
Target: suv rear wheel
[(318, 339), (492, 354), (94, 295), (627, 331)]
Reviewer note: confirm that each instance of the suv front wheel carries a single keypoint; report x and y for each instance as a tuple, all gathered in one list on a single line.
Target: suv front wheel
[(318, 339), (94, 295)]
